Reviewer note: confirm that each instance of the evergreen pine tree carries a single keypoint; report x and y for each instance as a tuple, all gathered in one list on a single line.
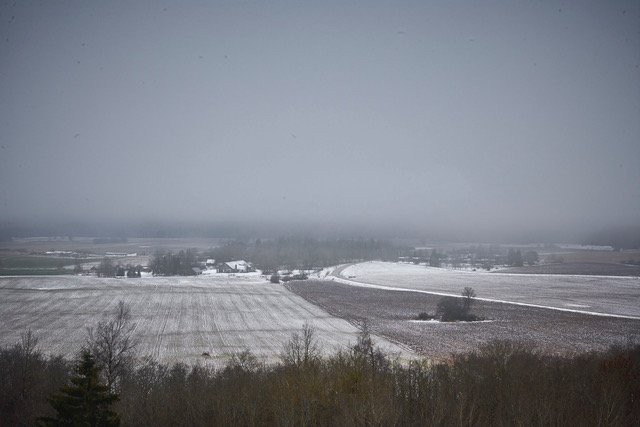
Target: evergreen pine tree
[(86, 402)]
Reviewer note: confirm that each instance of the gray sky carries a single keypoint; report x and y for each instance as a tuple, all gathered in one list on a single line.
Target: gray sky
[(445, 114)]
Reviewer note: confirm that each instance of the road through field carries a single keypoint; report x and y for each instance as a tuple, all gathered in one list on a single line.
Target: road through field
[(599, 295), (178, 318)]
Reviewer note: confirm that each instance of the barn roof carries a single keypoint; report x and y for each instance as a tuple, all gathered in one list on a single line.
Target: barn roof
[(239, 264)]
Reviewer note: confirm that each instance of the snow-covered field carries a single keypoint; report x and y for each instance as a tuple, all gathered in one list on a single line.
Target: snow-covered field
[(606, 295), (178, 318)]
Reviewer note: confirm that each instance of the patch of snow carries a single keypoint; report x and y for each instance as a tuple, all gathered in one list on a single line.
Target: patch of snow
[(214, 273), (602, 294)]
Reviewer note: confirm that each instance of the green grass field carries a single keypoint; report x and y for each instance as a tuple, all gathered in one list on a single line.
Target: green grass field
[(21, 265)]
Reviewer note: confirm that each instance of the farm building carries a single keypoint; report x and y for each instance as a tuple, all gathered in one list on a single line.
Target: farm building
[(210, 263), (239, 266)]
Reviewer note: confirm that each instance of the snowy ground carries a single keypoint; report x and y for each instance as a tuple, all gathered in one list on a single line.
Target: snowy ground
[(604, 295), (177, 318)]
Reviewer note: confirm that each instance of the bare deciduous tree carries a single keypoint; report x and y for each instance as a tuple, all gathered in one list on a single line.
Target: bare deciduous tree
[(106, 268), (468, 295), (112, 344), (27, 349), (366, 351), (244, 361), (301, 350)]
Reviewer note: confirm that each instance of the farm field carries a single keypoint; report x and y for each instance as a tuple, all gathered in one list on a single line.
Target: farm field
[(606, 295), (391, 314), (595, 256), (133, 244), (577, 268), (177, 318), (37, 265), (51, 256)]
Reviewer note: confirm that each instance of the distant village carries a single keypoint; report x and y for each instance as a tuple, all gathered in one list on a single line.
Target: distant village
[(106, 268)]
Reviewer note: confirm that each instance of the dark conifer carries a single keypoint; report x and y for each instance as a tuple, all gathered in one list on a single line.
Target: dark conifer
[(86, 402)]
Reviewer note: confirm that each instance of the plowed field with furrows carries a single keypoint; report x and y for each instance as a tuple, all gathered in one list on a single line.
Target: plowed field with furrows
[(392, 314), (177, 318)]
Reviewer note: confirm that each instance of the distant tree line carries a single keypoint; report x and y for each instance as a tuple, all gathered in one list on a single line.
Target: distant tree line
[(620, 238), (306, 253), (173, 264), (475, 256), (106, 240), (435, 259), (516, 259), (107, 268)]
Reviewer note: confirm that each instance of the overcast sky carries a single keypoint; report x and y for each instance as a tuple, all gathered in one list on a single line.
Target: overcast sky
[(440, 114)]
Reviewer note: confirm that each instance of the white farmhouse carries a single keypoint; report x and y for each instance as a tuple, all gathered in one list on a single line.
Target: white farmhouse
[(239, 266)]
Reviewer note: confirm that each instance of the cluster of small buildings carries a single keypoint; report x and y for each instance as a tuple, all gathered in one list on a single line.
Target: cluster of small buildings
[(238, 266)]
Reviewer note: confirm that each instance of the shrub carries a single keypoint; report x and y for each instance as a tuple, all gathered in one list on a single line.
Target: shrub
[(425, 316), (106, 268), (275, 278), (449, 309), (468, 294)]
